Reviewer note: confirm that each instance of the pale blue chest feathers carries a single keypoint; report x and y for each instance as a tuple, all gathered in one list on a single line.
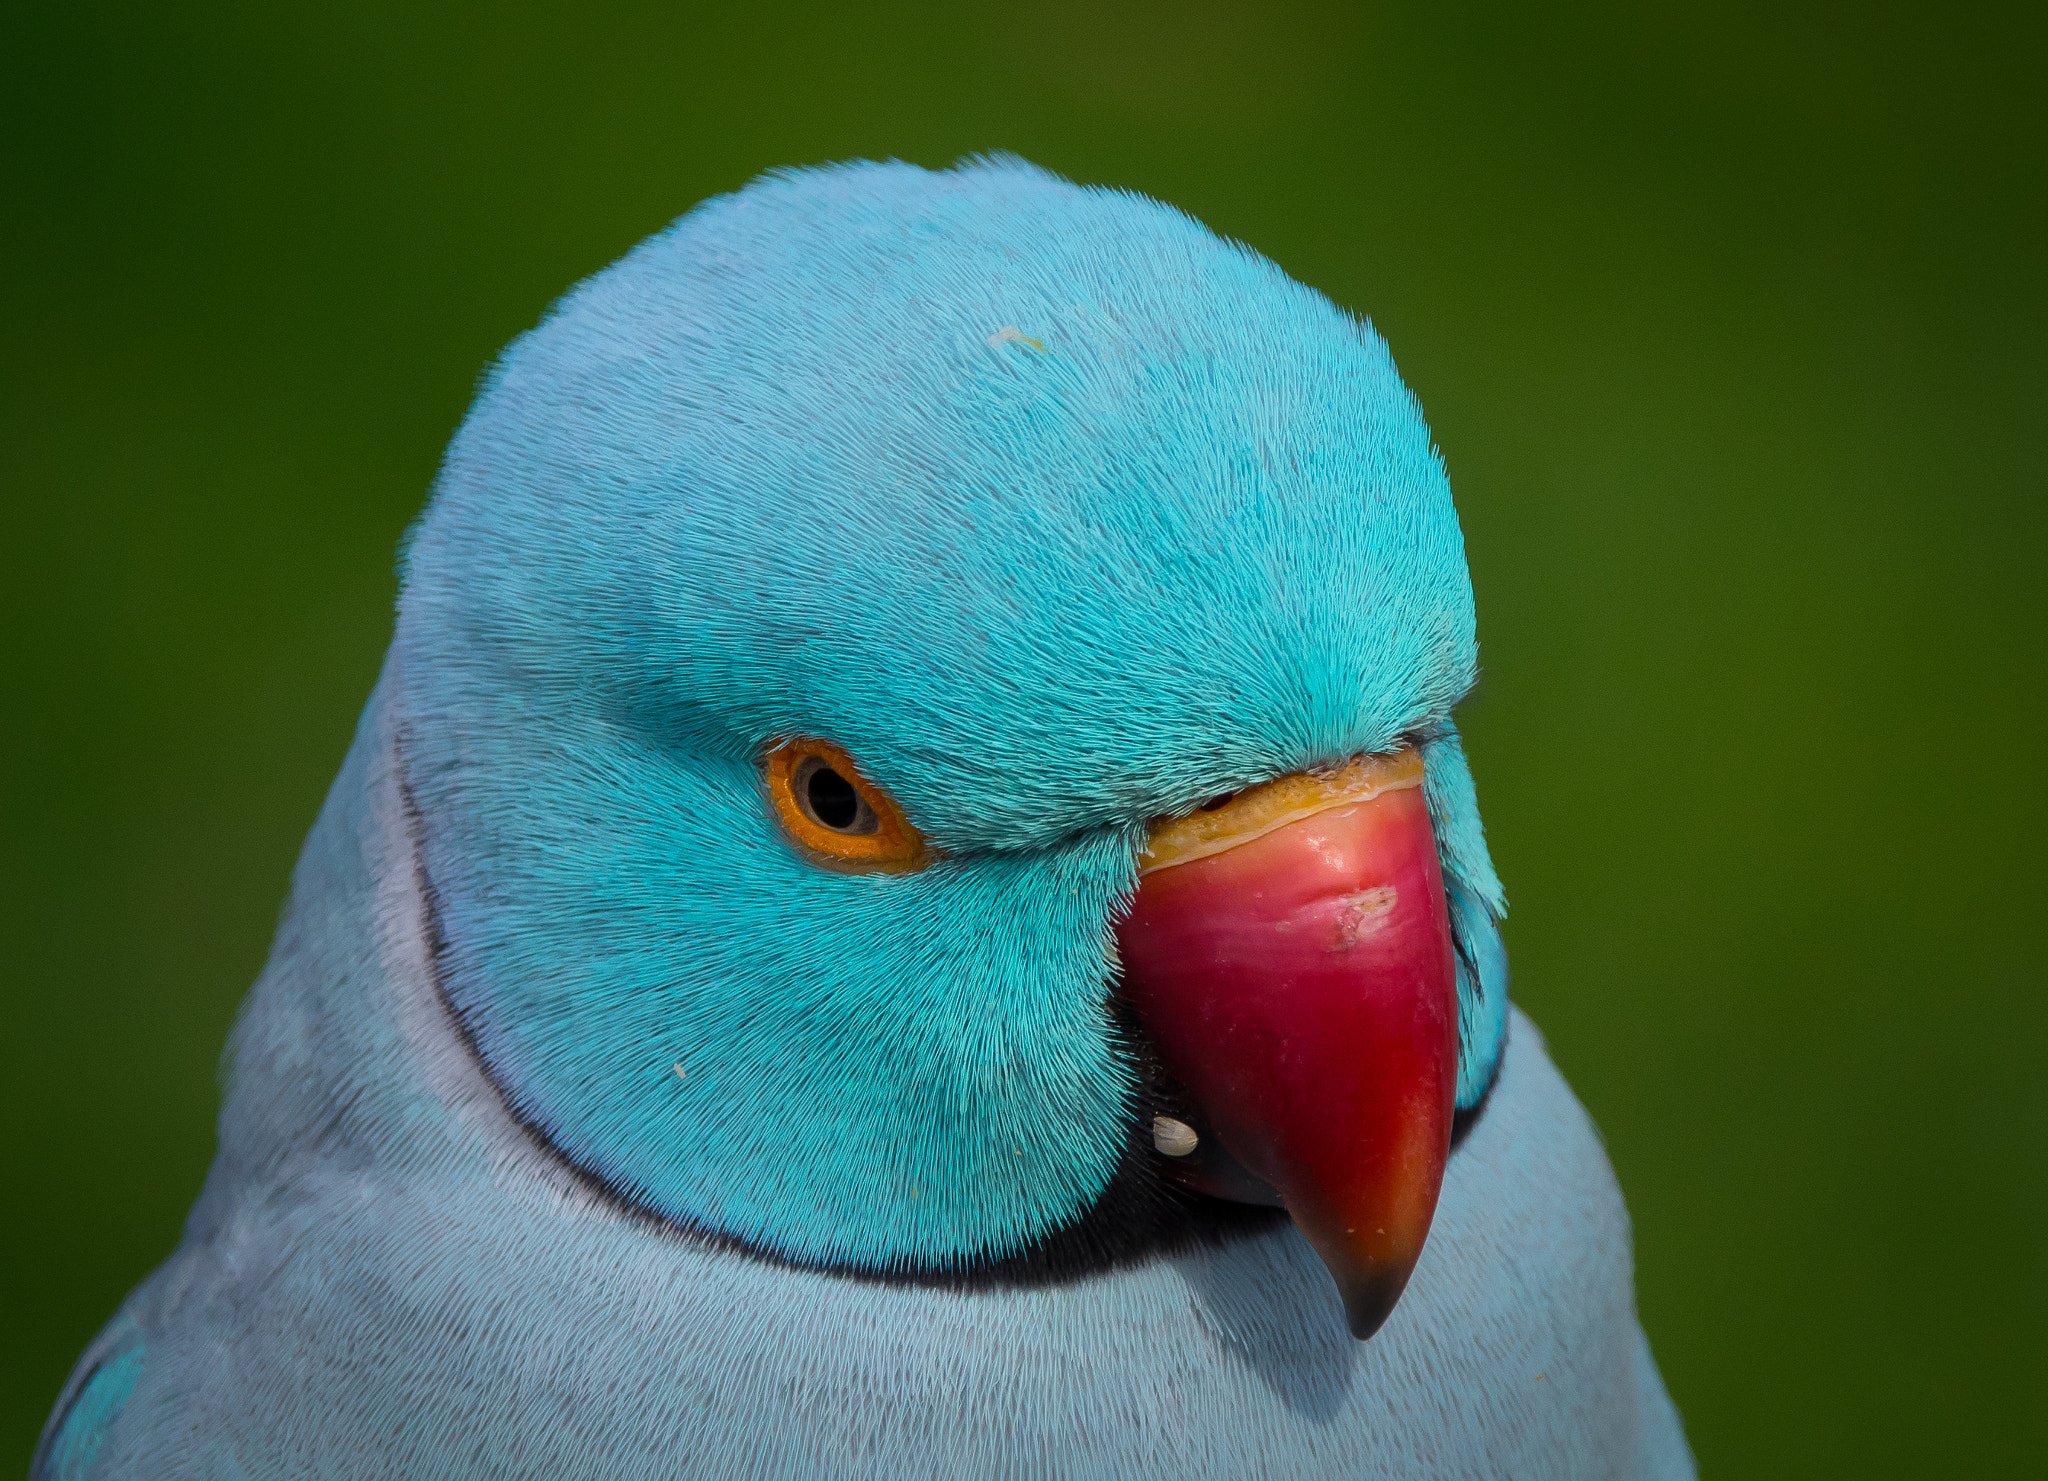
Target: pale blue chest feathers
[(1058, 513)]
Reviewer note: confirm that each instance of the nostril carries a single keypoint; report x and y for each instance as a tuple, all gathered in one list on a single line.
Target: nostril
[(1221, 799)]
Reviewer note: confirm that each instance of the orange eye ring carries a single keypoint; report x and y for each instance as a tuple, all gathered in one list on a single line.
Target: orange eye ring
[(837, 816)]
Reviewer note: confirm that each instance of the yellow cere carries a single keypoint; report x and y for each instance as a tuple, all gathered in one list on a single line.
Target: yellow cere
[(1257, 811)]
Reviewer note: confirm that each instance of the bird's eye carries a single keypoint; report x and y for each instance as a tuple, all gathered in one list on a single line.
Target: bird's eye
[(830, 800), (839, 818)]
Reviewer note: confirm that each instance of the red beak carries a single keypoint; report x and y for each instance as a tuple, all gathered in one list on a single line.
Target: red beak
[(1288, 953)]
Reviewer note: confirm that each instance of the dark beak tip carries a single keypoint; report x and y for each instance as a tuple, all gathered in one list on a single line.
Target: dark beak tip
[(1370, 1299)]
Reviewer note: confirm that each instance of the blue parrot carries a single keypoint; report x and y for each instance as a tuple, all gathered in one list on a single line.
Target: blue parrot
[(907, 903)]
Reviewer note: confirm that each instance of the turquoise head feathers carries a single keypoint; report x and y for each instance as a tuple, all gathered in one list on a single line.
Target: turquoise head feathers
[(1055, 510)]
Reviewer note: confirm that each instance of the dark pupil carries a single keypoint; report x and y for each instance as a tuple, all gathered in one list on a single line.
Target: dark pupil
[(833, 800)]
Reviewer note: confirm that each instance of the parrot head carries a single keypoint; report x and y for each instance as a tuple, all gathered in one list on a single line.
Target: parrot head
[(926, 705)]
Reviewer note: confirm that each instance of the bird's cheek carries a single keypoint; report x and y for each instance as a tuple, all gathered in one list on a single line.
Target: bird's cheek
[(1295, 974)]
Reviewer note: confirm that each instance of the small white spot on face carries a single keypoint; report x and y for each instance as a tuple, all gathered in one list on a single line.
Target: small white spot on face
[(1011, 334), (1360, 915), (681, 1073), (1173, 1138)]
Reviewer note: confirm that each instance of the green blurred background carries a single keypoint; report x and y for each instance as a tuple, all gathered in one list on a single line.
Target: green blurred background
[(1731, 328)]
